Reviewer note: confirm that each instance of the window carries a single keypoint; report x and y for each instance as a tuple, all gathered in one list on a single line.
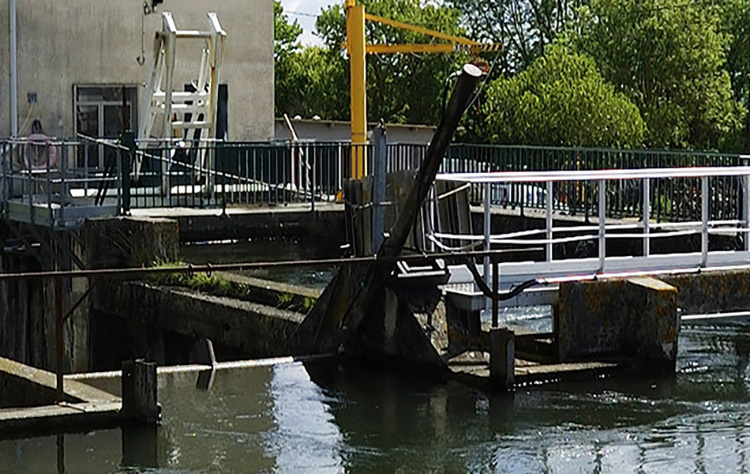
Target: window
[(103, 112)]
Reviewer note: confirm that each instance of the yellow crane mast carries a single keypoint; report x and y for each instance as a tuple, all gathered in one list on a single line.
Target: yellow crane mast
[(357, 48)]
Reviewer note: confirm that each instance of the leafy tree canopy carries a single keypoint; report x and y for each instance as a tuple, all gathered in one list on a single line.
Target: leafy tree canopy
[(561, 99), (523, 27), (400, 87), (668, 56)]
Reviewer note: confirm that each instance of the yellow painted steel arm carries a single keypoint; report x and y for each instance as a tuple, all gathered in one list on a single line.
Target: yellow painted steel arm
[(418, 29)]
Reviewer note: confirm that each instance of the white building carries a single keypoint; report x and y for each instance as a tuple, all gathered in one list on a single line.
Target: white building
[(82, 64)]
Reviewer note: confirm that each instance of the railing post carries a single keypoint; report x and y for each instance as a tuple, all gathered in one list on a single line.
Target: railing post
[(745, 196), (126, 157), (549, 222), (646, 217), (487, 231), (495, 292), (64, 186), (602, 223), (59, 394), (378, 191), (314, 179), (47, 182), (704, 220)]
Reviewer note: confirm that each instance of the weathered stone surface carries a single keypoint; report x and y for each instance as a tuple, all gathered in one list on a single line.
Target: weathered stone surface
[(636, 317), (712, 292), (130, 242), (253, 329)]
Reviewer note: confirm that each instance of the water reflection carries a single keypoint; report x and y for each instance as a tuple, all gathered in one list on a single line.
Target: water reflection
[(332, 418)]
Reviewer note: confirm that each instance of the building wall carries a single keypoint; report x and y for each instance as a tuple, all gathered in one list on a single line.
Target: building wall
[(62, 43)]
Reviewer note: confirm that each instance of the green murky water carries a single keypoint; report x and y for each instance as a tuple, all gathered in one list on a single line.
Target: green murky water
[(290, 418)]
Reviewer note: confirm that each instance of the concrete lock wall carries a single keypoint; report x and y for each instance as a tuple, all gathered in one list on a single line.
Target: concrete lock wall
[(636, 318), (62, 44)]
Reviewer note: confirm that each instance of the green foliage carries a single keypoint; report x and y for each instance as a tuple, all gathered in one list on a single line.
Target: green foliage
[(285, 48), (213, 284), (735, 23), (561, 99), (524, 27), (668, 56), (316, 82), (400, 88)]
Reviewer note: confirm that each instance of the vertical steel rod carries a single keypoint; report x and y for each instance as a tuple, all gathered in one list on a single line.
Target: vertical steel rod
[(59, 396), (550, 223), (704, 221), (602, 223), (646, 217), (495, 291), (746, 212), (487, 230)]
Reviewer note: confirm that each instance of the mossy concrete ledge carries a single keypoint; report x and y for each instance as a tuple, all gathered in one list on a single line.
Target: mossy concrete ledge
[(253, 329), (130, 241), (27, 402), (635, 318)]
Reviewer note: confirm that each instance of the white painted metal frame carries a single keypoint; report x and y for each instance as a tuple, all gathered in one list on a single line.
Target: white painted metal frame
[(160, 99), (552, 271)]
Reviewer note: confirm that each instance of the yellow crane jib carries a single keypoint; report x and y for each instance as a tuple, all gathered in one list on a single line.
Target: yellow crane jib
[(357, 49)]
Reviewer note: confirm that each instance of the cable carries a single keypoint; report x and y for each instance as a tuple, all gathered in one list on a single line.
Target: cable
[(26, 120), (296, 13)]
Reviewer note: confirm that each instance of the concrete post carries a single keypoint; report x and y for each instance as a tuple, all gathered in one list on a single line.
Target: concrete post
[(139, 399), (502, 358)]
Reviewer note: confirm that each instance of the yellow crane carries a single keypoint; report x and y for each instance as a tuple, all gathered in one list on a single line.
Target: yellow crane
[(357, 49)]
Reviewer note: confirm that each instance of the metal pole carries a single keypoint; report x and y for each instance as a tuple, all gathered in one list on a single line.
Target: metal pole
[(487, 232), (602, 223), (745, 195), (13, 69), (704, 221), (646, 217), (59, 396), (495, 292), (355, 38), (549, 221), (460, 97)]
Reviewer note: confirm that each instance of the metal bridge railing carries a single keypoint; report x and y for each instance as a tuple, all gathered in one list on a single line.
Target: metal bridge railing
[(94, 175), (711, 221), (57, 182)]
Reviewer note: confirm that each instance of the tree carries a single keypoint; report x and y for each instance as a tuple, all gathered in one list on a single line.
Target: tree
[(561, 99), (668, 56), (285, 46), (400, 88), (523, 27), (736, 25), (316, 83)]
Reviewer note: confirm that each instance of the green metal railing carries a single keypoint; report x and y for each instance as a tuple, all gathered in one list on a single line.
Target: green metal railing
[(218, 174)]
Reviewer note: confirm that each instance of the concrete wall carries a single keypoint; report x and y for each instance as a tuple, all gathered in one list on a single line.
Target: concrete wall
[(64, 43)]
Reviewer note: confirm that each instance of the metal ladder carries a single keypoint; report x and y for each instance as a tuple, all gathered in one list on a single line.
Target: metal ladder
[(184, 114)]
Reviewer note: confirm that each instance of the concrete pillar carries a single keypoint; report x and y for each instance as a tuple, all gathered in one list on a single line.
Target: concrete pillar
[(130, 242), (636, 318), (502, 358)]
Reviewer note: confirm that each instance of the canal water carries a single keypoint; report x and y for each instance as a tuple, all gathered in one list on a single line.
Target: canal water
[(322, 418)]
